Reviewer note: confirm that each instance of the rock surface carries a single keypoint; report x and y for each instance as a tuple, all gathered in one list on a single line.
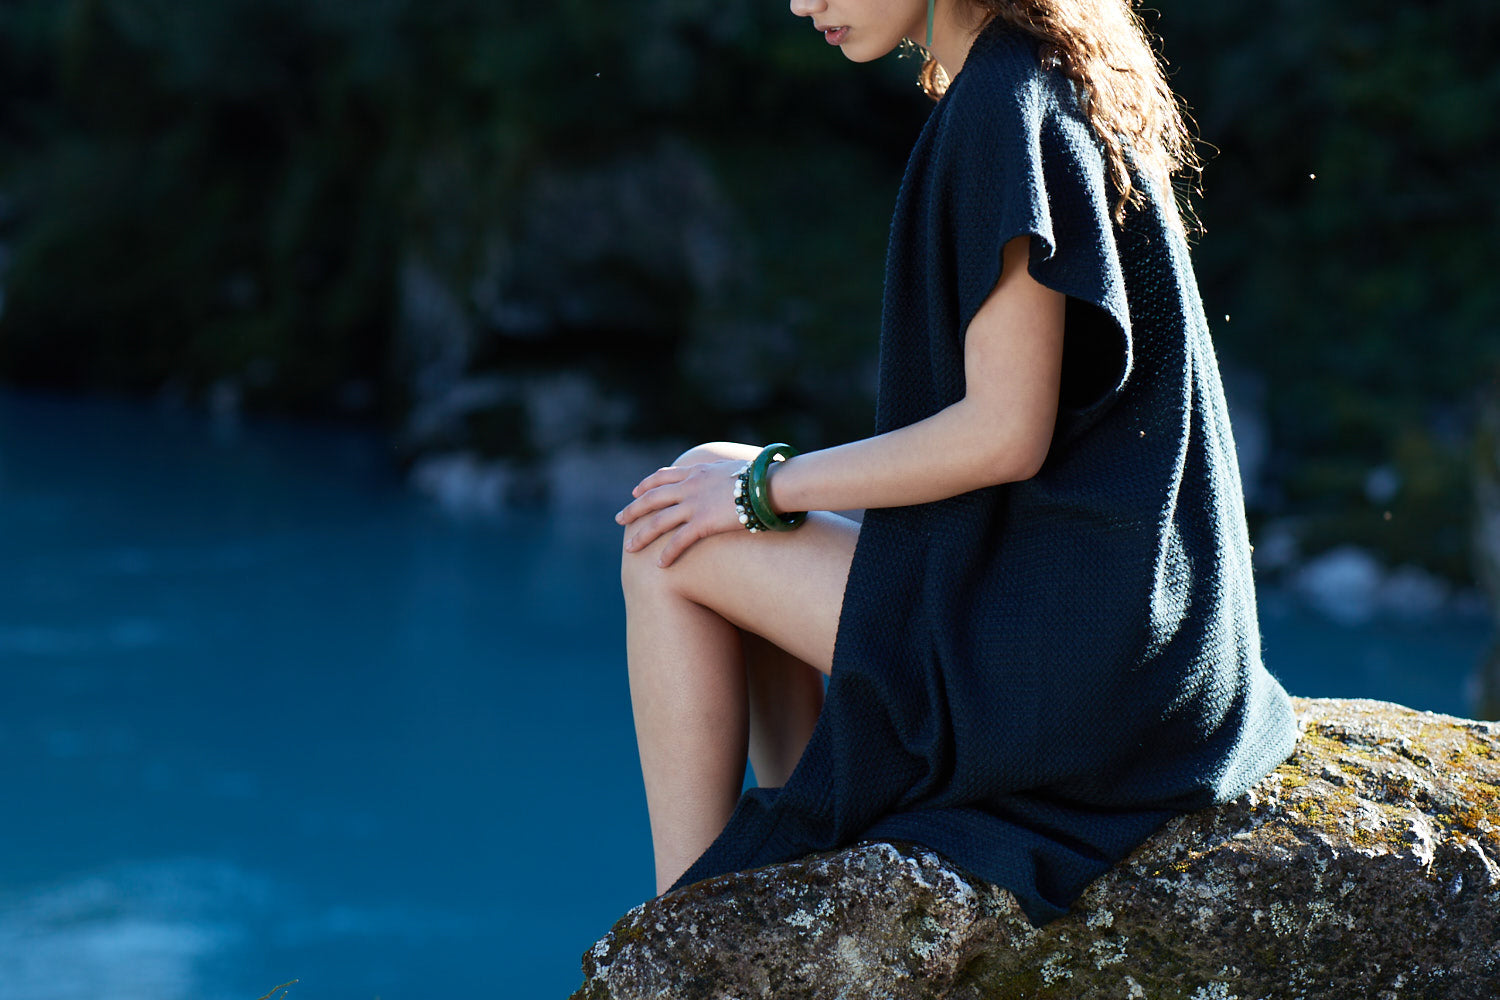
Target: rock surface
[(1366, 866)]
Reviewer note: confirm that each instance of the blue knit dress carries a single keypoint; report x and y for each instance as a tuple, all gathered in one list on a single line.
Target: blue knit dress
[(1031, 678)]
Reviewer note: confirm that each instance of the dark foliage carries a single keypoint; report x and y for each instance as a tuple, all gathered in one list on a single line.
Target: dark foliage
[(198, 192), (1351, 239)]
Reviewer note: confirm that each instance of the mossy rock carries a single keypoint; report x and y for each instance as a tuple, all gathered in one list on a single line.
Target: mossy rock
[(1364, 867)]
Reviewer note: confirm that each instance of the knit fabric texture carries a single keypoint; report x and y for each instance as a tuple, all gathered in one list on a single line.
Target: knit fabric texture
[(1031, 678)]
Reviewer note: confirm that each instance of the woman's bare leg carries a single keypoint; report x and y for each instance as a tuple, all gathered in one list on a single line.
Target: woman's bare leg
[(690, 695), (785, 697)]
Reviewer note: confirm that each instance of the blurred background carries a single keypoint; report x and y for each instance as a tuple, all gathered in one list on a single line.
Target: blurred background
[(332, 334)]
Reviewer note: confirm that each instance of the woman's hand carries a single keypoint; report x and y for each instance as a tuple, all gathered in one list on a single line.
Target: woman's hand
[(695, 500)]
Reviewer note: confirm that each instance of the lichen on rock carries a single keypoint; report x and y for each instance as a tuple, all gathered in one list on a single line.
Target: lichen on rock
[(1367, 866)]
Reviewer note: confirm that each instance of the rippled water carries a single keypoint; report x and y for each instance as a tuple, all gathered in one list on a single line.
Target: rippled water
[(267, 715)]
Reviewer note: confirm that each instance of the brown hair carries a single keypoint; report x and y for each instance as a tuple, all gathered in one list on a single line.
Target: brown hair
[(1105, 49)]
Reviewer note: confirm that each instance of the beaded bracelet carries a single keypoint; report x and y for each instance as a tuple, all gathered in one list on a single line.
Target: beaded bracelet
[(751, 497)]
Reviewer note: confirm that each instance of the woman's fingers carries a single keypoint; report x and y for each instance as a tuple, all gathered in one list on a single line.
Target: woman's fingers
[(694, 500), (654, 525), (648, 494), (645, 503), (661, 477), (684, 536)]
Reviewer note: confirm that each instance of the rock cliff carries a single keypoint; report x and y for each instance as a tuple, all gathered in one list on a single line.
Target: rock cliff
[(1367, 866)]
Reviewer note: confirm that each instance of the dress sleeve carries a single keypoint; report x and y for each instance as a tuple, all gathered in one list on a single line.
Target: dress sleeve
[(1017, 158)]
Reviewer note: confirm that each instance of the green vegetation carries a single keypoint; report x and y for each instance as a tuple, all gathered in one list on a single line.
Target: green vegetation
[(192, 193), (1350, 238), (273, 995)]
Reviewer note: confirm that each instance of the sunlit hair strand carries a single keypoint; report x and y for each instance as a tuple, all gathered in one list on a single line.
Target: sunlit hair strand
[(1105, 49)]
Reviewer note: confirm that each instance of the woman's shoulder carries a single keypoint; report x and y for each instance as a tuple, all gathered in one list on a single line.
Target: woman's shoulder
[(1004, 77)]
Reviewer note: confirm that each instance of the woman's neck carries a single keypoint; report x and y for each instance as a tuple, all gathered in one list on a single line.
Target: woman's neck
[(957, 24)]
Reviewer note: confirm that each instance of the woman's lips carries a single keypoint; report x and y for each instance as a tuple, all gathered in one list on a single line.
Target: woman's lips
[(835, 36)]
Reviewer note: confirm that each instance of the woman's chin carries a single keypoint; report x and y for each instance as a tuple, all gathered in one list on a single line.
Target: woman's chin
[(864, 54)]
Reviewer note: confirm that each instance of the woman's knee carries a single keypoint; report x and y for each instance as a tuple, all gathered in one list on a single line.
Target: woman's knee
[(639, 572), (715, 451), (638, 569)]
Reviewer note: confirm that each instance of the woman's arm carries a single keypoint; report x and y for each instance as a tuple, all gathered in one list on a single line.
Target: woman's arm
[(999, 432)]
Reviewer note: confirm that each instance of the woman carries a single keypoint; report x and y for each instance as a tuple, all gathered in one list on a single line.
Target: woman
[(1041, 641)]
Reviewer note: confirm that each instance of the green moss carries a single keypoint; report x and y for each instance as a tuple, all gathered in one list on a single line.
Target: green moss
[(1329, 745), (1483, 805), (1311, 809), (1482, 748)]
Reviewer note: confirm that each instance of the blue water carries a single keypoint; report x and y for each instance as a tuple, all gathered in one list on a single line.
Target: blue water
[(265, 714)]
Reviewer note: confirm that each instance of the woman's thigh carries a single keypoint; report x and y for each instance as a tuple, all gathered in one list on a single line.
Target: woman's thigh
[(787, 587)]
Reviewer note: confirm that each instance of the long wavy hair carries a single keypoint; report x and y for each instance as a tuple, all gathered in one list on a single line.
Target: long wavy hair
[(1105, 49)]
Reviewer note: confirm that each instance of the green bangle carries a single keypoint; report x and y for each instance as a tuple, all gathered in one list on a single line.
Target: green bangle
[(759, 494)]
